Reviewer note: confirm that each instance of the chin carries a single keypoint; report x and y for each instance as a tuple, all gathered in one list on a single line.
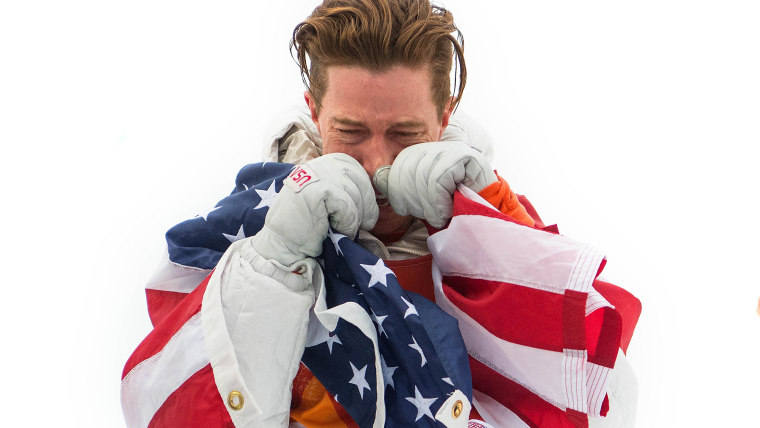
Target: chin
[(388, 222)]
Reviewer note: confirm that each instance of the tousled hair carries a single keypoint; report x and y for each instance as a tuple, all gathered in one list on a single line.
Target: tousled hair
[(377, 35)]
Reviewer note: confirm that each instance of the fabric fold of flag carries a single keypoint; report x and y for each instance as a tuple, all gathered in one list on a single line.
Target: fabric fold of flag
[(517, 327), (541, 341), (386, 356)]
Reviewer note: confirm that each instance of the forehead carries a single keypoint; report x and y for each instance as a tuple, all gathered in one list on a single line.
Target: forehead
[(399, 93)]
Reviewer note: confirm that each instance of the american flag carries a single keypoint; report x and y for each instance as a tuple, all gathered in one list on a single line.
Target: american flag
[(541, 339), (420, 354), (536, 346)]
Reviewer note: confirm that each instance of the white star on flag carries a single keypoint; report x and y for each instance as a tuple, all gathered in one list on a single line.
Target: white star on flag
[(387, 373), (316, 334), (240, 235), (411, 310), (359, 379), (267, 196), (379, 321), (448, 380), (335, 237), (245, 185), (417, 347), (378, 273), (422, 404), (205, 213), (332, 338)]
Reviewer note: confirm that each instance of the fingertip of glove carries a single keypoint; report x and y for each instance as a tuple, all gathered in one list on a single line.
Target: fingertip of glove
[(380, 179)]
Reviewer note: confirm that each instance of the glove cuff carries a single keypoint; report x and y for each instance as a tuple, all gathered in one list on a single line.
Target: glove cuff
[(269, 256)]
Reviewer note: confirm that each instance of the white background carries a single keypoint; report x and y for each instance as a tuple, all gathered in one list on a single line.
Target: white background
[(633, 126)]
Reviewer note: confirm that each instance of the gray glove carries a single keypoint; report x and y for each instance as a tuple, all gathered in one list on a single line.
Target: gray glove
[(424, 176), (331, 190)]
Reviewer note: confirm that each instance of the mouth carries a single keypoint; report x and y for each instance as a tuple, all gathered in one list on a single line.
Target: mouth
[(381, 200)]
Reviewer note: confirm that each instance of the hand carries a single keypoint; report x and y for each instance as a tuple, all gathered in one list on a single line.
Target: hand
[(423, 178), (331, 190)]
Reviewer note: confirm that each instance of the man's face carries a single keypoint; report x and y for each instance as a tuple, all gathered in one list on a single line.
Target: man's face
[(372, 117)]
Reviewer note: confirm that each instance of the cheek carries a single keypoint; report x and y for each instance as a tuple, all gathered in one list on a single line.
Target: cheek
[(393, 153), (370, 154), (354, 150), (329, 146)]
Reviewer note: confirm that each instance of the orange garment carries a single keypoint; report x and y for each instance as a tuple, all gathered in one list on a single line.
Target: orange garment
[(313, 407), (311, 404), (501, 196)]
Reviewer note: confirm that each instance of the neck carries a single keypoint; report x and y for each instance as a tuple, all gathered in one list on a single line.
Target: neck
[(390, 235)]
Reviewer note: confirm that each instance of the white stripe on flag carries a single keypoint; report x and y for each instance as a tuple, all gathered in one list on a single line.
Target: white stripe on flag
[(575, 379), (170, 276), (540, 371), (597, 385), (471, 195), (596, 301), (535, 259), (494, 412), (584, 269), (146, 387)]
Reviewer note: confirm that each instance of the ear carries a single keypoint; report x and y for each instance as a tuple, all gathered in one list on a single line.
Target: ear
[(312, 103), (446, 116)]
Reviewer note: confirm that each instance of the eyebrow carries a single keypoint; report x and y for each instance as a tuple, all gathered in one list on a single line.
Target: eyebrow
[(409, 124), (345, 121), (402, 124)]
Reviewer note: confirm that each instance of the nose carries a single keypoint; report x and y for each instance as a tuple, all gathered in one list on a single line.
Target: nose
[(379, 153)]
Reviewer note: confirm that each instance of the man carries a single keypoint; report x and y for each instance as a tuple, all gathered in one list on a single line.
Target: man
[(371, 98), (375, 162)]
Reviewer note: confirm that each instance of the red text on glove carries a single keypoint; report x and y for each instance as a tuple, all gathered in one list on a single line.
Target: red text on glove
[(300, 177)]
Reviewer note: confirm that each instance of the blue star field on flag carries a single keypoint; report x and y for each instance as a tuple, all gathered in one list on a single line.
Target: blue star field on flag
[(421, 358)]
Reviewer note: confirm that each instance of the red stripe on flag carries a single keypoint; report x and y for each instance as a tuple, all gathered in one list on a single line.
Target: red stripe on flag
[(626, 304), (514, 313), (529, 407), (603, 332), (465, 206), (578, 419), (574, 319), (601, 267), (161, 302), (169, 325), (196, 403), (539, 224)]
